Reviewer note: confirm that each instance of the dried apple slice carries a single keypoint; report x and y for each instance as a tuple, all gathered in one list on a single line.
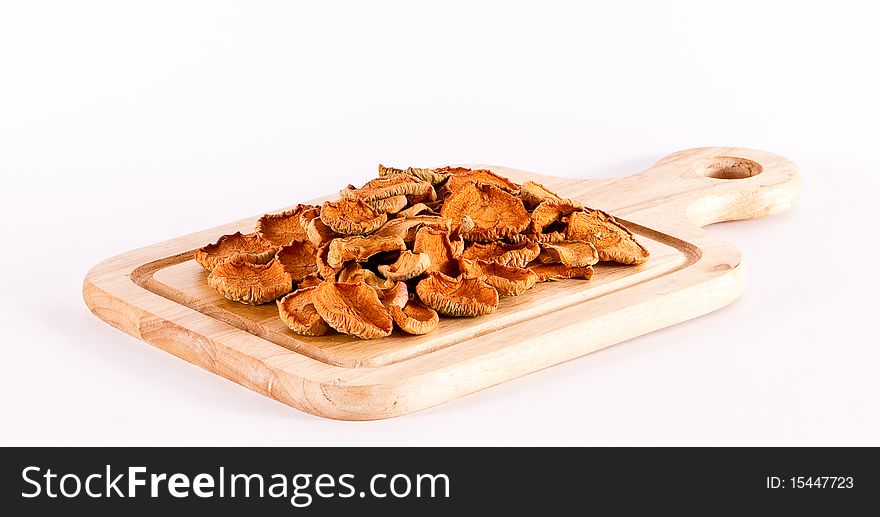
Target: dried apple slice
[(436, 244), (533, 194), (297, 311), (464, 225), (543, 237), (612, 240), (406, 228), (250, 283), (324, 270), (426, 198), (408, 265), (353, 273), (353, 309), (550, 272), (416, 210), (456, 244), (552, 211), (351, 216), (516, 255), (508, 281), (480, 177), (389, 185), (281, 229), (245, 247), (309, 213), (569, 253), (457, 296), (360, 249), (319, 233), (389, 205), (430, 175), (312, 280), (298, 259), (495, 213), (415, 318), (397, 296)]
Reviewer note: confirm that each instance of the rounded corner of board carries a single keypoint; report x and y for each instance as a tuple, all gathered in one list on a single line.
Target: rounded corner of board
[(351, 401)]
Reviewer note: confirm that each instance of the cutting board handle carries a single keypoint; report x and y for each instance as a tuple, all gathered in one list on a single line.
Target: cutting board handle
[(714, 184)]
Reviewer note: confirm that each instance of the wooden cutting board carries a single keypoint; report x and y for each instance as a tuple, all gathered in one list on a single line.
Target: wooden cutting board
[(159, 294)]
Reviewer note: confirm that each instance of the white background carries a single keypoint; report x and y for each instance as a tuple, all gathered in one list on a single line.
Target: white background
[(127, 123)]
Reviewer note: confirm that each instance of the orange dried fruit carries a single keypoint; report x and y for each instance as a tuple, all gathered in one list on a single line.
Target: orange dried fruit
[(548, 237), (353, 273), (436, 244), (457, 296), (464, 225), (389, 205), (428, 197), (351, 216), (415, 318), (397, 296), (297, 311), (245, 247), (456, 244), (319, 233), (462, 177), (389, 185), (552, 211), (432, 176), (280, 229), (415, 210), (496, 214), (312, 280), (408, 265), (309, 213), (250, 283), (406, 228), (516, 255), (360, 249), (298, 259), (533, 194), (353, 309), (569, 253), (550, 272), (324, 270), (507, 280), (543, 237), (613, 241)]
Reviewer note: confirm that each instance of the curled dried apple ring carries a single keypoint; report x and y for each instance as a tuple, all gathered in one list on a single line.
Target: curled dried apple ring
[(516, 255), (569, 253), (415, 318), (495, 213), (298, 259), (245, 247), (351, 217), (359, 249), (297, 311), (457, 296), (612, 240), (507, 280), (533, 194), (408, 265), (462, 177), (353, 309), (250, 283), (281, 229), (549, 272)]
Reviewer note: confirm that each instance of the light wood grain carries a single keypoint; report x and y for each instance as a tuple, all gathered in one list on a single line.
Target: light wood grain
[(158, 294)]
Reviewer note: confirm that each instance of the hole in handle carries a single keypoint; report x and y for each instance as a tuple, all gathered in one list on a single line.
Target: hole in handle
[(730, 168)]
